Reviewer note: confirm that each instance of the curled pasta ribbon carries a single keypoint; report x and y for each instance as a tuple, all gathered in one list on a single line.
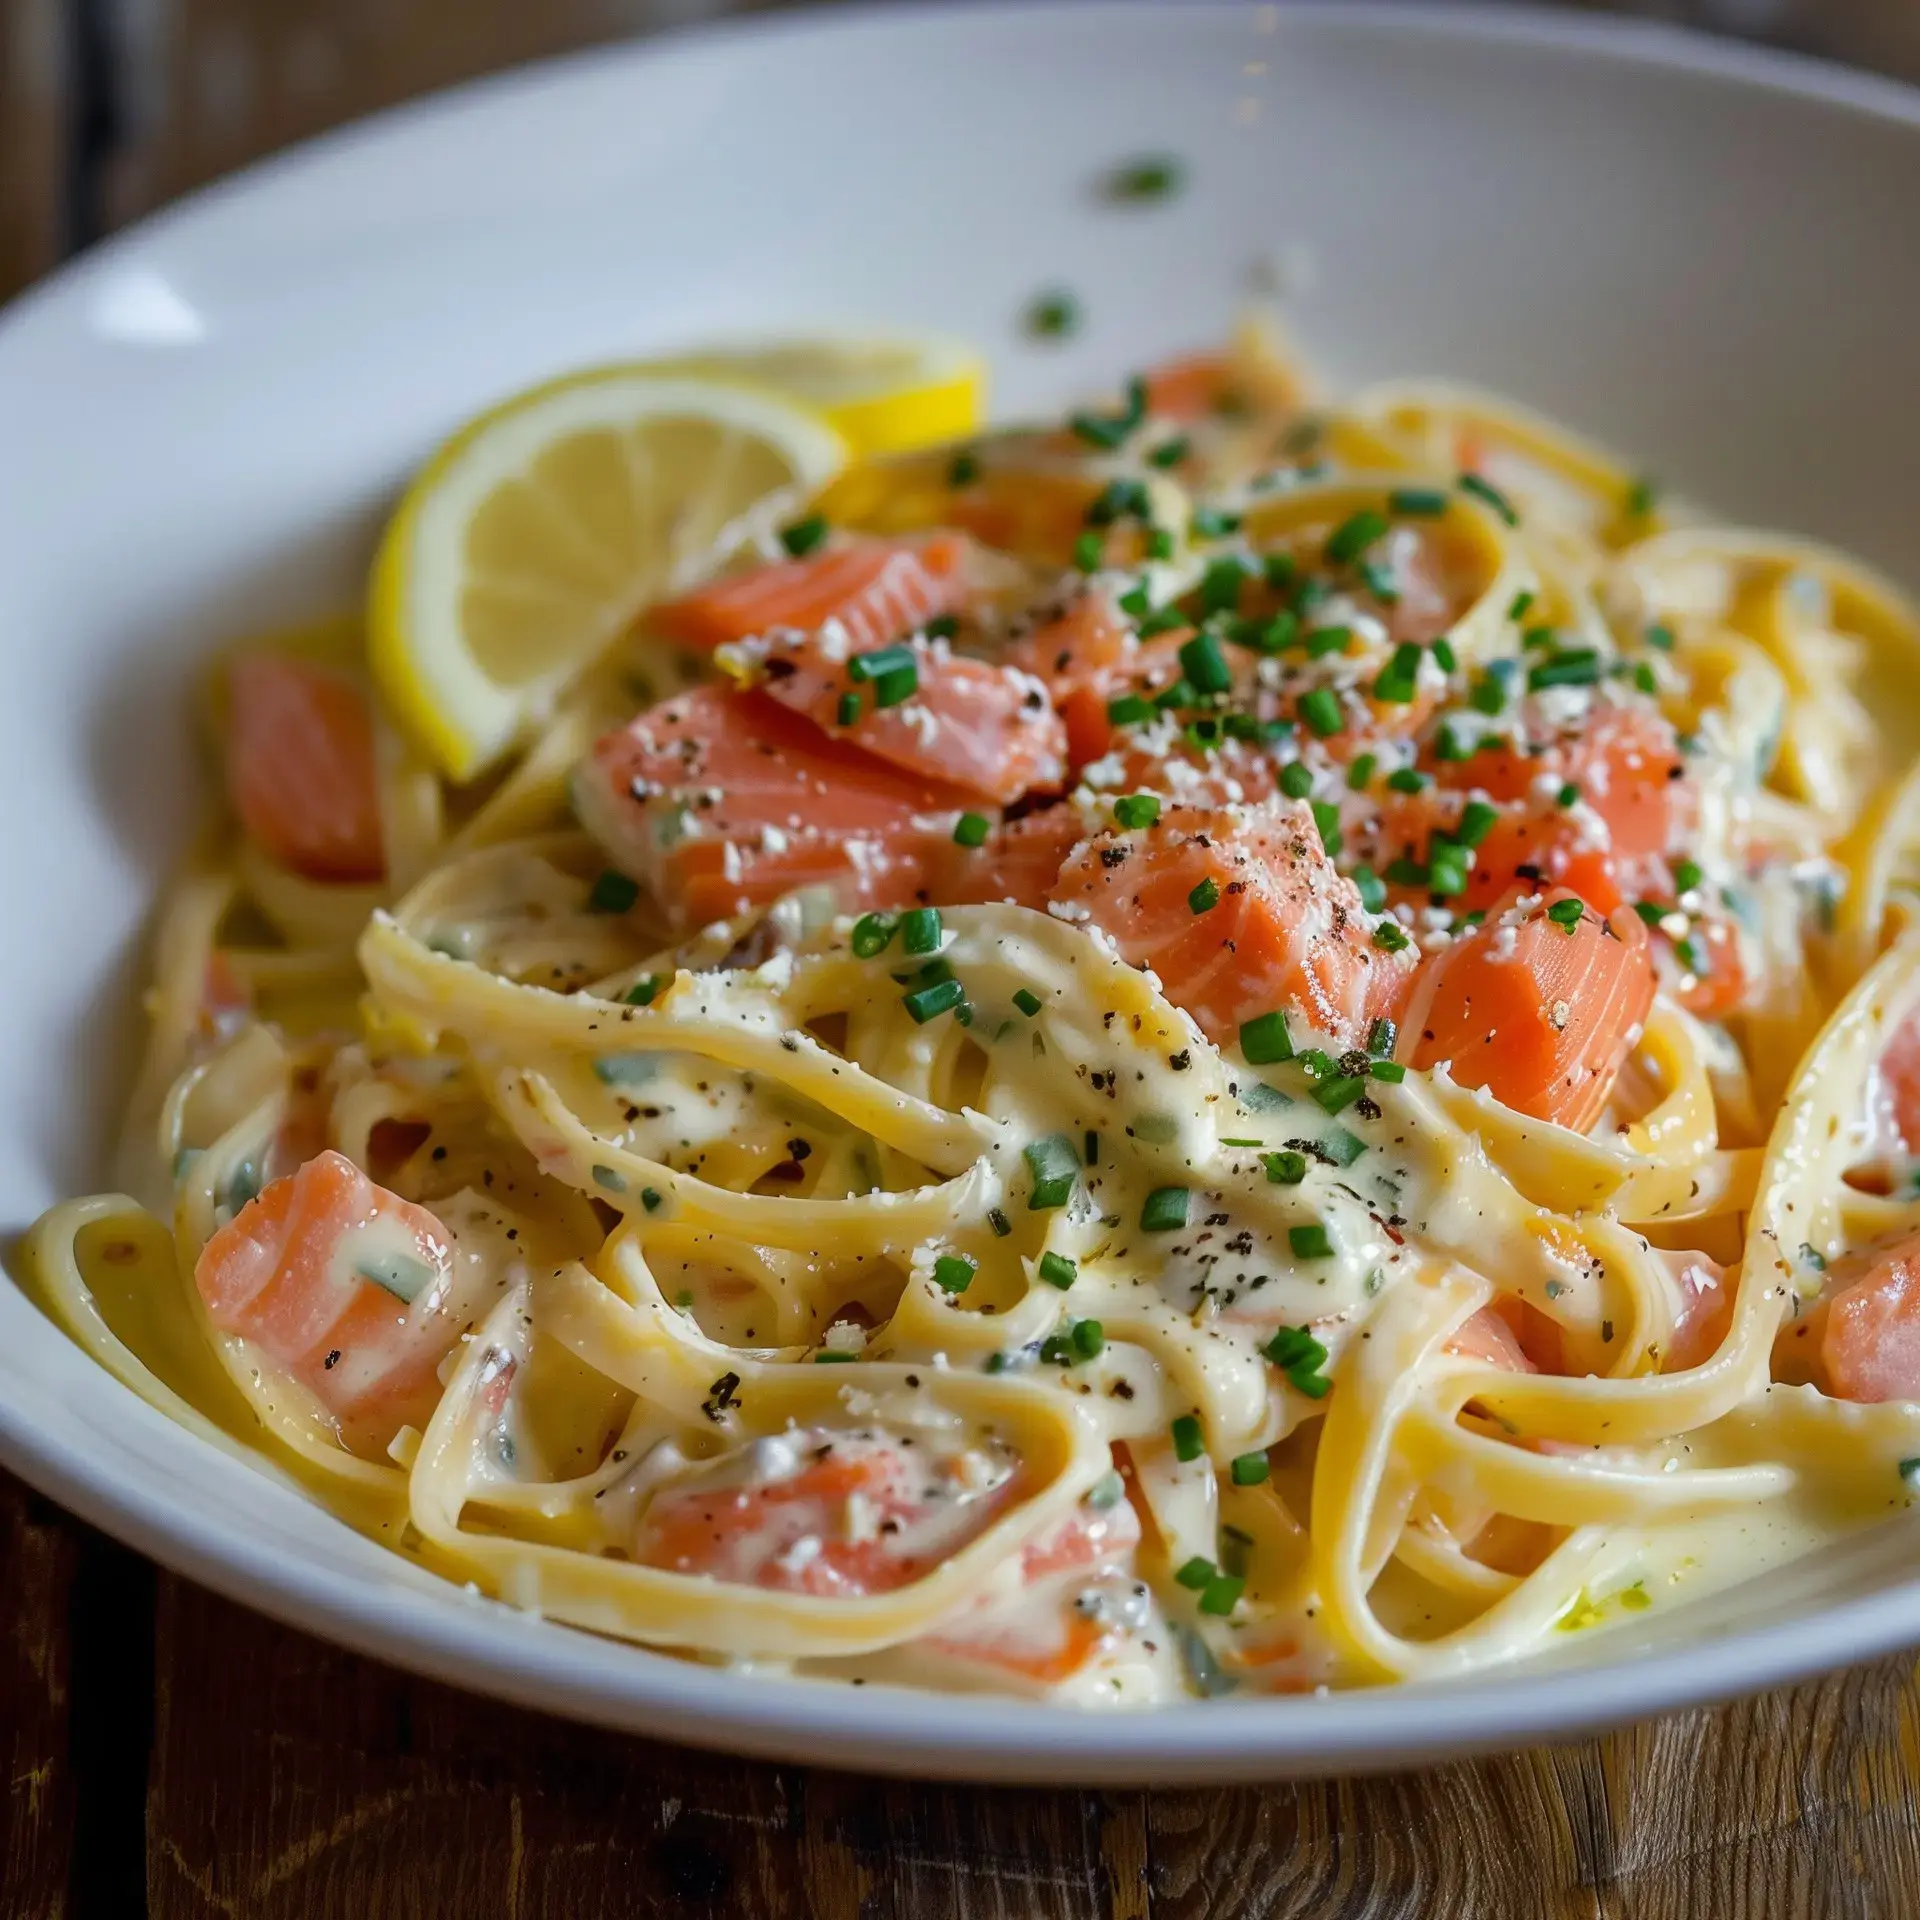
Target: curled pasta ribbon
[(642, 1346)]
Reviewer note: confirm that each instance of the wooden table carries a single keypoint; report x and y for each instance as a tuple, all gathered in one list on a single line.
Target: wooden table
[(166, 1753)]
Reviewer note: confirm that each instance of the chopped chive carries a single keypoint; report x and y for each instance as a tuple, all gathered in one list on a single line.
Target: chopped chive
[(1211, 523), (1195, 1573), (1448, 869), (1164, 1210), (963, 470), (1296, 780), (612, 893), (1644, 679), (1372, 889), (1568, 795), (1361, 773), (1108, 1491), (927, 1003), (1661, 636), (1651, 911), (1159, 543), (801, 537), (1087, 1338), (1339, 1093), (1407, 780), (895, 685), (1389, 937), (1573, 667), (1485, 491), (1342, 1148), (1443, 654), (1187, 1441), (1128, 710), (1058, 1271), (1537, 637), (878, 660), (1687, 875), (650, 1198), (1135, 603), (1425, 503), (953, 1273), (1390, 1071), (1567, 914), (1354, 535), (1027, 1001), (1205, 665), (832, 1356), (1117, 500), (1205, 897), (1520, 605), (1087, 551), (1326, 816), (1053, 316), (1152, 178), (1404, 871), (920, 930), (1293, 1347), (971, 830), (1169, 453), (1249, 1469), (1055, 1168), (1325, 640), (1135, 810), (871, 934), (1220, 588), (1476, 822), (1382, 1037), (1687, 952), (1285, 1169), (1180, 694), (1202, 735), (1642, 497), (1162, 620), (1318, 1062), (1379, 580), (1222, 1594), (1320, 709), (848, 710), (624, 1069), (643, 991), (1265, 1039)]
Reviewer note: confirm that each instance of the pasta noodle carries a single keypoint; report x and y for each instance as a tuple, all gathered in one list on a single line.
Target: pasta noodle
[(920, 1270)]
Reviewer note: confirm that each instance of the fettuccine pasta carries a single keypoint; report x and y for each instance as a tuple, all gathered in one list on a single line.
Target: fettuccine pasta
[(1244, 1044)]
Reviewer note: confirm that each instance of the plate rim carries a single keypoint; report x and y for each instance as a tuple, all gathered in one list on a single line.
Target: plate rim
[(489, 1648)]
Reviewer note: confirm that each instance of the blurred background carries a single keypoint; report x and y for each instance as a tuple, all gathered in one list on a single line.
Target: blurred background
[(110, 108)]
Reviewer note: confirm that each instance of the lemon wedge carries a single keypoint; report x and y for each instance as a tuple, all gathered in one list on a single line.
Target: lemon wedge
[(530, 541), (885, 395)]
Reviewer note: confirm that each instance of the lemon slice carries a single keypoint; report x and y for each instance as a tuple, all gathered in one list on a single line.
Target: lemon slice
[(533, 537), (886, 394)]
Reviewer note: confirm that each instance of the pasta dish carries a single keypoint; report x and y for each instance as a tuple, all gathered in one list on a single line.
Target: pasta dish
[(1244, 1043)]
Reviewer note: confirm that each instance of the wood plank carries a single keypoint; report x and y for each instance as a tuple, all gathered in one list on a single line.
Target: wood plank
[(208, 85), (39, 1549), (32, 136), (291, 1779), (1802, 1802)]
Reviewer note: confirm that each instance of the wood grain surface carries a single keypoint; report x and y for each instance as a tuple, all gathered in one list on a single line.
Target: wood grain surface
[(171, 1755)]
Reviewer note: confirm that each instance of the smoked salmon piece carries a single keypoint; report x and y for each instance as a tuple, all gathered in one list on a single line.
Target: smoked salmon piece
[(343, 1284), (1627, 767), (1532, 844), (836, 1515), (1540, 1005), (1018, 862), (1899, 1081), (1861, 1339), (1238, 911), (988, 729), (300, 766), (875, 590), (722, 800)]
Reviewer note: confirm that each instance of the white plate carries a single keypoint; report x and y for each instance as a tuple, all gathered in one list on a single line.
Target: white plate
[(1703, 254)]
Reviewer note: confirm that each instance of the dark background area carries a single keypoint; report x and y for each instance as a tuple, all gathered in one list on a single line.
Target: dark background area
[(165, 1753)]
